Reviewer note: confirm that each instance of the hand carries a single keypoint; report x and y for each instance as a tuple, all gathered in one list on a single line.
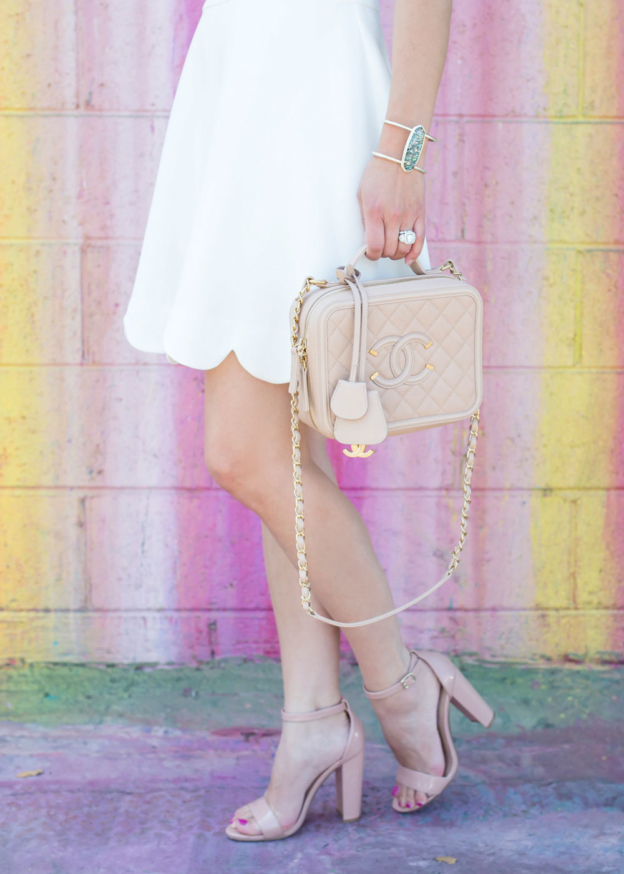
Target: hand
[(392, 201)]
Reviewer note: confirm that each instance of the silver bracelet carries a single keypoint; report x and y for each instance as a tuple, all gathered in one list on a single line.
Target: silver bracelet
[(413, 147)]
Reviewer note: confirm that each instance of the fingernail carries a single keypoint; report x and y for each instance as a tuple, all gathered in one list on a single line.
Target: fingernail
[(395, 791), (243, 821)]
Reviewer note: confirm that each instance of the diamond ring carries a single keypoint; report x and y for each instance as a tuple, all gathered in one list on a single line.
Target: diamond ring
[(408, 237)]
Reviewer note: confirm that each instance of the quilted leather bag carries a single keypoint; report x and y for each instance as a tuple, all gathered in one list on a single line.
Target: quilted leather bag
[(375, 359)]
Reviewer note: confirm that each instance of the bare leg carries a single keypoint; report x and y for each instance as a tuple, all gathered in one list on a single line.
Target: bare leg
[(310, 658), (309, 654), (248, 451)]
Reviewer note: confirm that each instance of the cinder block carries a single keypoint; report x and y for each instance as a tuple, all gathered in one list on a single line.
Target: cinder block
[(39, 196), (512, 57), (577, 444), (149, 636), (528, 295), (108, 273), (505, 188), (602, 284), (600, 550), (525, 635), (443, 181), (92, 426), (40, 300), (42, 550), (156, 550), (119, 159), (132, 52), (518, 544), (602, 63), (189, 637), (429, 459), (509, 196), (39, 55), (554, 429)]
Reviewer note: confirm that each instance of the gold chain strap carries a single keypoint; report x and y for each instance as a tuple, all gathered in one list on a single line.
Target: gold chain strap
[(302, 559), (300, 346)]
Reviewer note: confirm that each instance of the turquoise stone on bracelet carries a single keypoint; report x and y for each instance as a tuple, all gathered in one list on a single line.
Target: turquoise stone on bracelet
[(413, 148)]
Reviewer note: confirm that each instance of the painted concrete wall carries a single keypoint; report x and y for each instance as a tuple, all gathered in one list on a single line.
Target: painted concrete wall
[(115, 545)]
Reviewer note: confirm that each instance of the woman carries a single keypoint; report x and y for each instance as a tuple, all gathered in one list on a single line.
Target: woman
[(279, 107)]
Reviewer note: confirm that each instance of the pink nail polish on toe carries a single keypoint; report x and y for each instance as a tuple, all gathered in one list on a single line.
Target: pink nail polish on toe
[(419, 804), (395, 791), (408, 805), (243, 821)]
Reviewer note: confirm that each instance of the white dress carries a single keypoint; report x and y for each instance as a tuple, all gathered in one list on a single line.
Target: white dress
[(279, 106)]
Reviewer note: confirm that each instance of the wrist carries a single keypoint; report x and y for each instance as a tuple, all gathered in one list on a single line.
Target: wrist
[(392, 140), (403, 145)]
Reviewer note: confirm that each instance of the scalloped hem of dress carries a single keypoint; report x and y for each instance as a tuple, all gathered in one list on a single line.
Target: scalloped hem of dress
[(249, 362)]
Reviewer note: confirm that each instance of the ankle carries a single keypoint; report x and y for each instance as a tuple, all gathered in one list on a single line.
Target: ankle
[(387, 671), (305, 742), (306, 701)]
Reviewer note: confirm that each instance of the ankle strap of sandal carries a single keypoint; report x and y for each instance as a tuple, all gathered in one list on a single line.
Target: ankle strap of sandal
[(404, 683), (321, 713)]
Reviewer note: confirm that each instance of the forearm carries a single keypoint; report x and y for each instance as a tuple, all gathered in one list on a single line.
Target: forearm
[(420, 41)]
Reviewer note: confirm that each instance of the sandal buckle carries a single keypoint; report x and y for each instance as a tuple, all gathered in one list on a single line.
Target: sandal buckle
[(404, 682)]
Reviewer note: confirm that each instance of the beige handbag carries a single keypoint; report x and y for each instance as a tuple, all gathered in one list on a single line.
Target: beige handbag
[(374, 359)]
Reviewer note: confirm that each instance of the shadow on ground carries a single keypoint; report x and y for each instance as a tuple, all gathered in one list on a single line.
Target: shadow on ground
[(142, 768)]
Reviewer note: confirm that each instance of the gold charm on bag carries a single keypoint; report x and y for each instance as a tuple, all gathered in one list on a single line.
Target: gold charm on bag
[(358, 450)]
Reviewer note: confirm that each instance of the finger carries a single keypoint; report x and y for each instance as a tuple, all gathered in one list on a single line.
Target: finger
[(403, 249), (416, 248), (392, 225), (375, 235)]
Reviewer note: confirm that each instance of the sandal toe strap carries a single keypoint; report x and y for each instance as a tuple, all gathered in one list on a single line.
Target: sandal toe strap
[(425, 783), (265, 818)]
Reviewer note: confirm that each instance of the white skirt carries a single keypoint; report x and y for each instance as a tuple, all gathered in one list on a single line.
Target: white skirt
[(279, 106)]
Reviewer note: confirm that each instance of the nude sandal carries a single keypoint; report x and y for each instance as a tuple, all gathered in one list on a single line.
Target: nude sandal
[(349, 770), (455, 690)]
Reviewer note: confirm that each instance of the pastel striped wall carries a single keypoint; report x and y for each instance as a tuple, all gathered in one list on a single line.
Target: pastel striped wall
[(114, 543)]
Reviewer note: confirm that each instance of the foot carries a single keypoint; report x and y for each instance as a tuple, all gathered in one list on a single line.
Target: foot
[(305, 750), (409, 720)]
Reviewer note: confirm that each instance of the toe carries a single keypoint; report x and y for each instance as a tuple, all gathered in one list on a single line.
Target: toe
[(419, 799), (405, 798), (244, 822)]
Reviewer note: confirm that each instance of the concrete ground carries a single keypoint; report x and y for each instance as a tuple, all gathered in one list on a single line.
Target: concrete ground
[(143, 767)]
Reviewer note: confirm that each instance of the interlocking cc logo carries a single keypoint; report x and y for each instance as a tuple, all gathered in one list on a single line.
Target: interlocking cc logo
[(401, 359)]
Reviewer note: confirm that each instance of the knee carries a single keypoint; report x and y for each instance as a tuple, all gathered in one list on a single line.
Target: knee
[(254, 479), (225, 465), (236, 470)]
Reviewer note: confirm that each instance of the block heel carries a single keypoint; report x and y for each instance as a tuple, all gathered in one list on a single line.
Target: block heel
[(349, 778), (468, 701), (349, 769)]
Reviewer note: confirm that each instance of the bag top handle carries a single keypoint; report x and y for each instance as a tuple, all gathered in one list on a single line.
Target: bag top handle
[(350, 268)]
